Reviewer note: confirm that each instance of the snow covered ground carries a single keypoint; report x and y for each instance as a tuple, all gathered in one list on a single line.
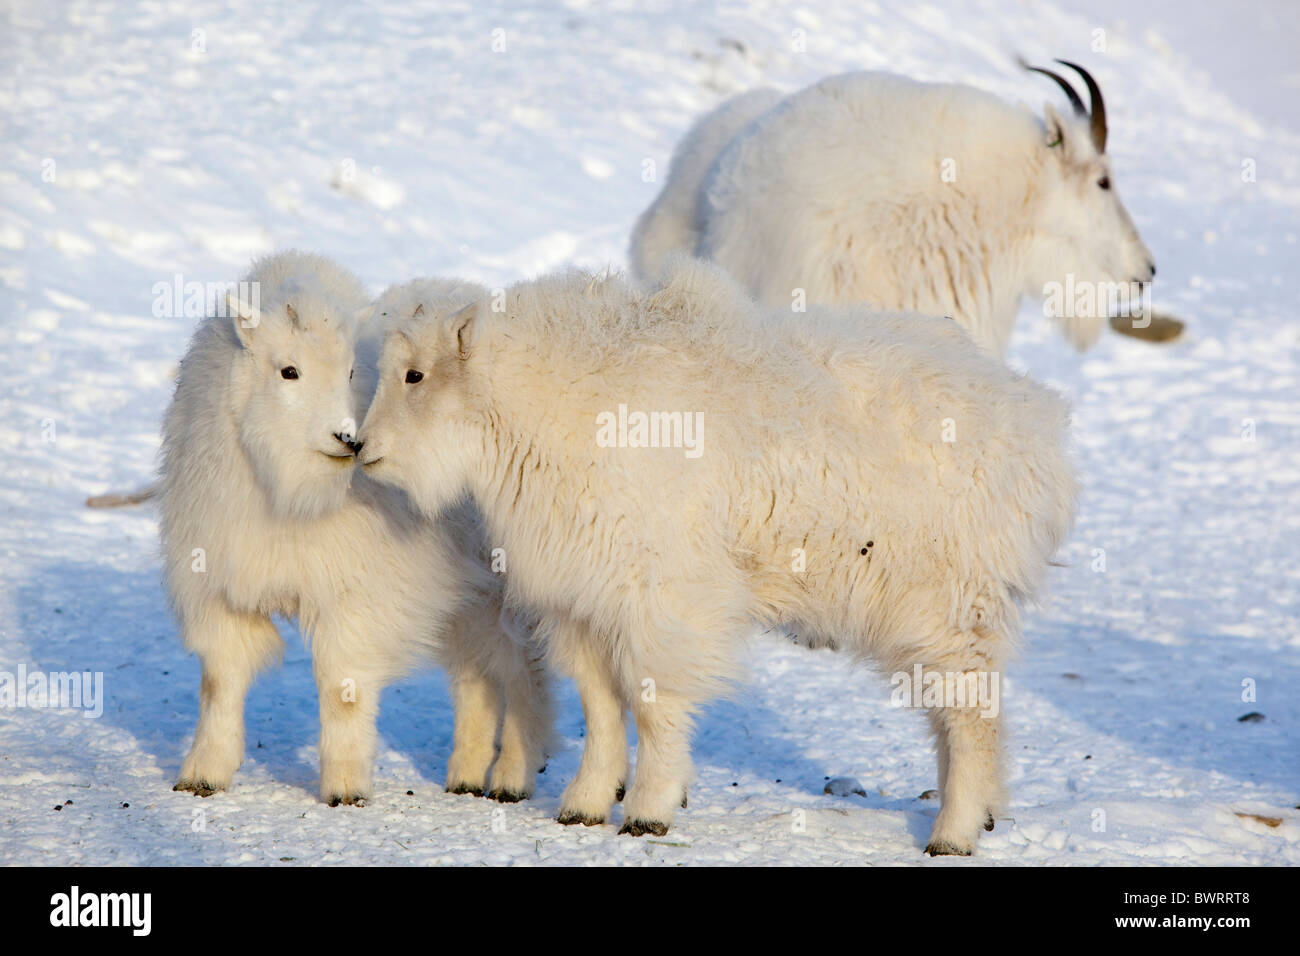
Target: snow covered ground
[(144, 142)]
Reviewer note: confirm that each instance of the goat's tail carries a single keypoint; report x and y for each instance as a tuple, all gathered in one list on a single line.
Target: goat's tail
[(123, 500)]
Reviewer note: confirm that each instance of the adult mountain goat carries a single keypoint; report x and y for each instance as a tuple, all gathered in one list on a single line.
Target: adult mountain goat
[(937, 198), (264, 513), (666, 469)]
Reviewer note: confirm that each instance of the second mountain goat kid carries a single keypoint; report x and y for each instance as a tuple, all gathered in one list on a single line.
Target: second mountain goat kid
[(869, 479)]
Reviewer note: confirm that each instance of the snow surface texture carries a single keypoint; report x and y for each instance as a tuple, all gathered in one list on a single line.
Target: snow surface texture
[(396, 139)]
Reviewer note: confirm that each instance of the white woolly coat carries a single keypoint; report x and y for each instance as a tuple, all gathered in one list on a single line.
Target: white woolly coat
[(868, 188), (869, 479), (822, 432), (376, 586)]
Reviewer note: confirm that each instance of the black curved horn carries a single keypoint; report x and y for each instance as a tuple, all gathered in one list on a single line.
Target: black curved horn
[(1069, 90), (1097, 114)]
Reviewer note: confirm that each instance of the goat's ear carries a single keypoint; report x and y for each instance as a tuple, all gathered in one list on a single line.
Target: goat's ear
[(463, 328), (1057, 129), (243, 316)]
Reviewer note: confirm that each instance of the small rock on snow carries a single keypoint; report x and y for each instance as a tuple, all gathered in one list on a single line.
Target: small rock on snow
[(844, 787)]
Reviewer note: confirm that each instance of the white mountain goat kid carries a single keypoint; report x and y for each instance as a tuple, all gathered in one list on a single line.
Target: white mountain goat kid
[(937, 198), (264, 513), (666, 469)]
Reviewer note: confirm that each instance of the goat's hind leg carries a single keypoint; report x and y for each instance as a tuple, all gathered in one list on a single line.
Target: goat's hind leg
[(967, 725), (232, 647)]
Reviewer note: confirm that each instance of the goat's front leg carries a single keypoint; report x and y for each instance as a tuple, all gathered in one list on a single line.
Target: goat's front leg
[(349, 683), (602, 774), (499, 685), (663, 762), (527, 725)]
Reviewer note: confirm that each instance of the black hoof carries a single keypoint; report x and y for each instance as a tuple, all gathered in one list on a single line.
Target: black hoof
[(988, 822), (644, 827), (683, 800), (570, 817), (349, 800), (620, 793), (944, 848), (200, 788), (462, 788), (502, 795)]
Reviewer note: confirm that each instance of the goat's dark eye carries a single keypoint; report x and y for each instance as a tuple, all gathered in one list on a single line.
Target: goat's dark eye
[(1104, 182), (351, 373), (289, 372), (413, 376)]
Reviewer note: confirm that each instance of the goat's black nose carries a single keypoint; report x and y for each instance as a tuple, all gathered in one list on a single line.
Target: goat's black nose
[(1153, 269), (353, 446)]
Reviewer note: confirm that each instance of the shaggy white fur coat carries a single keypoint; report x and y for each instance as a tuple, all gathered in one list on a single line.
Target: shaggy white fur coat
[(263, 514), (874, 188), (869, 479)]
